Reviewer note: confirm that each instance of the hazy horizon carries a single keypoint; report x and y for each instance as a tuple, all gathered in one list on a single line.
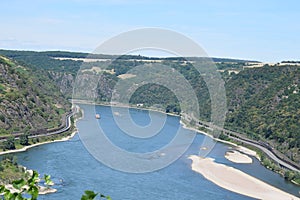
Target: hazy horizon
[(266, 31), (146, 55)]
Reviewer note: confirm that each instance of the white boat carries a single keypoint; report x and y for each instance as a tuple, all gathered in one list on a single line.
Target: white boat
[(97, 116)]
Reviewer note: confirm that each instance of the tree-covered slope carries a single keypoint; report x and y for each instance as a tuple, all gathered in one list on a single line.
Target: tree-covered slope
[(265, 104), (29, 99)]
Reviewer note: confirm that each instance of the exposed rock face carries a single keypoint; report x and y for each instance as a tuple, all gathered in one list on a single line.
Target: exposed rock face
[(64, 81), (88, 86)]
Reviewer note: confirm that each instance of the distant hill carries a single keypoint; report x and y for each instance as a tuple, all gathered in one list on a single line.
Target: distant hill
[(65, 54)]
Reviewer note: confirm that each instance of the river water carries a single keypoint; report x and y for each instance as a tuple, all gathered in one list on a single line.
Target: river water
[(73, 169)]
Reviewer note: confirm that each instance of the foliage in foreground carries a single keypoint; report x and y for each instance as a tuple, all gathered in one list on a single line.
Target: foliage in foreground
[(24, 188), (28, 189), (90, 195)]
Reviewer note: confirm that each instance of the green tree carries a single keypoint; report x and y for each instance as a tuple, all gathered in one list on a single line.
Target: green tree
[(24, 139), (289, 175), (10, 143)]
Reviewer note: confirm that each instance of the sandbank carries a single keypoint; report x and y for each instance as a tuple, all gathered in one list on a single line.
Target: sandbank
[(237, 157), (237, 181)]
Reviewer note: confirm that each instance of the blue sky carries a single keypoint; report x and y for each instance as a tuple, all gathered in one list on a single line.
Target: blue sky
[(265, 30)]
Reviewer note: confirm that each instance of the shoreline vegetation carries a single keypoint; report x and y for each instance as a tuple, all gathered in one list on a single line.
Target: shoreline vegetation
[(64, 136), (212, 171), (25, 148)]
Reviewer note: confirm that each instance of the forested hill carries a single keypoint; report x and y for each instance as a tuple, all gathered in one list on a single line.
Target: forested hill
[(29, 99), (63, 66), (265, 104), (263, 101)]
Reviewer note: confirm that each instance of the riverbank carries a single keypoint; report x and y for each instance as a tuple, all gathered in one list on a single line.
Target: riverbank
[(238, 148), (184, 125), (68, 137), (25, 148), (237, 181), (120, 105)]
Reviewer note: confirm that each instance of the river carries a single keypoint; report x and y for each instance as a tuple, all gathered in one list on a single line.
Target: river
[(73, 169)]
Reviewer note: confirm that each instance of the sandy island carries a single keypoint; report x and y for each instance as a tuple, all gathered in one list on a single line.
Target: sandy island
[(237, 157), (237, 181)]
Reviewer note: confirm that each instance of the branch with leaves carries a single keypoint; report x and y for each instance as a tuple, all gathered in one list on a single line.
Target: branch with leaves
[(24, 187), (91, 195), (29, 187)]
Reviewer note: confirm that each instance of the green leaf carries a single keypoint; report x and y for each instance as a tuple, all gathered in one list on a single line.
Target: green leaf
[(19, 197), (3, 189), (34, 178), (48, 180), (10, 196), (106, 197), (47, 177), (89, 195), (18, 184), (34, 192)]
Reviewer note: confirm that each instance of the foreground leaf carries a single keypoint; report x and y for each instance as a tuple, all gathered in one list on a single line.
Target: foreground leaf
[(18, 184), (89, 195), (48, 180)]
